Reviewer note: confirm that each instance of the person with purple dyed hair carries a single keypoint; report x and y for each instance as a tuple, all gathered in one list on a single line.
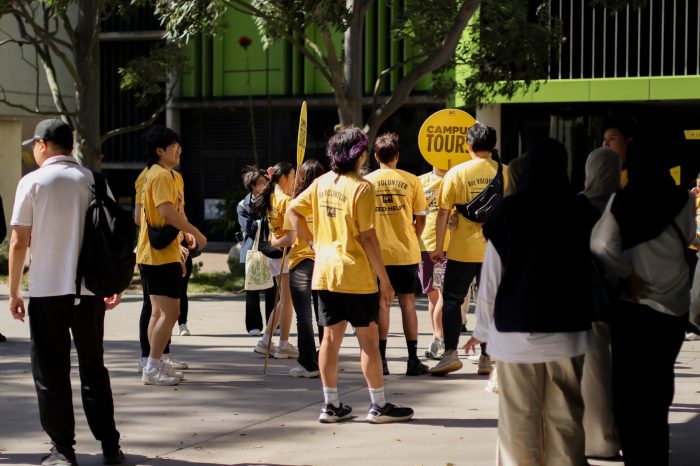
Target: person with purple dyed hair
[(348, 263)]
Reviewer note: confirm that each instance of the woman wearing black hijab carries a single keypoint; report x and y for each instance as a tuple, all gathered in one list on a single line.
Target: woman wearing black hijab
[(534, 310), (641, 240)]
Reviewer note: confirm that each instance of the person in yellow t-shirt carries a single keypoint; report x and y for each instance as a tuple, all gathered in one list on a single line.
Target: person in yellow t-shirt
[(467, 244), (431, 184), (272, 202), (146, 311), (301, 267), (348, 263), (398, 199), (163, 200)]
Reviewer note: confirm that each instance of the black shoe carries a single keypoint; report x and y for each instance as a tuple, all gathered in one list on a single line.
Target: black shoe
[(330, 414), (113, 456), (385, 367), (56, 458), (415, 367), (3, 339), (463, 328), (389, 413)]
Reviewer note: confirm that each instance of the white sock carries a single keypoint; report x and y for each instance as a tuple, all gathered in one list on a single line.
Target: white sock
[(377, 396), (330, 395), (152, 363), (265, 338), (283, 344)]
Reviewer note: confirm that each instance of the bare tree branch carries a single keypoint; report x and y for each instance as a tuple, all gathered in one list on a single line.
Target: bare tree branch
[(387, 71), (4, 100)]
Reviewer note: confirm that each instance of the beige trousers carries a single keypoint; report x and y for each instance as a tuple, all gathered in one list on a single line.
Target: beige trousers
[(540, 414), (596, 388)]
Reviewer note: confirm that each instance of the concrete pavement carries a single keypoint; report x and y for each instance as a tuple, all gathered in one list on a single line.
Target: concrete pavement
[(228, 412)]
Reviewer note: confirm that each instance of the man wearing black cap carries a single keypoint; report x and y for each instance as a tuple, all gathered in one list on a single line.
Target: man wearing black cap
[(49, 210)]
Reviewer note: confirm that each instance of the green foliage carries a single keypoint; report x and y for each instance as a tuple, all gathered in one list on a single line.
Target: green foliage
[(184, 19), (147, 76), (496, 66)]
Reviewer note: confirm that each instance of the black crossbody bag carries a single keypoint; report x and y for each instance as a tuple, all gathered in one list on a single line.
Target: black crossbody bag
[(478, 209)]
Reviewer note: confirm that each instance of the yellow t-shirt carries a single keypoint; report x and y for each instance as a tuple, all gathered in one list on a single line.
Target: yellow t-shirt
[(159, 186), (342, 206), (275, 214), (301, 249), (398, 195), (431, 184), (460, 185), (138, 186)]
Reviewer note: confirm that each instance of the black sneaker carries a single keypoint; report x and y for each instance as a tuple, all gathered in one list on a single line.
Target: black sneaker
[(3, 339), (112, 456), (389, 413), (463, 329), (385, 367), (56, 458), (415, 367), (330, 414)]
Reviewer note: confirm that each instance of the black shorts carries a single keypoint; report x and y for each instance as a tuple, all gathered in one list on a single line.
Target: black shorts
[(358, 309), (403, 278), (162, 280)]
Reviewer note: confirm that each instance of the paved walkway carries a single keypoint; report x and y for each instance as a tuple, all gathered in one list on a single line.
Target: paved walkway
[(228, 412)]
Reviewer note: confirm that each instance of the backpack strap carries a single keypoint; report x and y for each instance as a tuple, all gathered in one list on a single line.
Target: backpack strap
[(678, 231)]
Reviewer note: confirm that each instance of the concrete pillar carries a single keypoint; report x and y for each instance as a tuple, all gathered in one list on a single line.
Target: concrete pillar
[(11, 163), (172, 114), (490, 115)]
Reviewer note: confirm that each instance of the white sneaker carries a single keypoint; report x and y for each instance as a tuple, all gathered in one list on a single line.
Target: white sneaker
[(173, 373), (300, 371), (254, 333), (142, 364), (174, 363), (158, 376), (184, 331), (484, 365), (289, 352), (261, 348), (690, 336)]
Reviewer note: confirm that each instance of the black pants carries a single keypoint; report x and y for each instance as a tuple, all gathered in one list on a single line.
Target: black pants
[(641, 399), (253, 319), (51, 322), (302, 299), (184, 302), (458, 278)]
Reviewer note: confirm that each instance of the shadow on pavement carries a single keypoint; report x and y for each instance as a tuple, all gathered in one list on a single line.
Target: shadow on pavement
[(88, 460)]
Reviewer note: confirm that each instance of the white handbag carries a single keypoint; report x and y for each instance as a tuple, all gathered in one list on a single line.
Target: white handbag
[(257, 268)]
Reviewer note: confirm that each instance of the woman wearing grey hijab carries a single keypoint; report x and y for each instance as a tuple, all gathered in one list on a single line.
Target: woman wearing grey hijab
[(602, 180)]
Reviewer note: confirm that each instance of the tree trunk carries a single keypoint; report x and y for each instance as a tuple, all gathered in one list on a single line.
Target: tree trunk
[(87, 92), (351, 110)]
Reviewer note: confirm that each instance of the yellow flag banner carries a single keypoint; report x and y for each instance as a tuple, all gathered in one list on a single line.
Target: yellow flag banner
[(301, 137), (442, 139), (692, 134)]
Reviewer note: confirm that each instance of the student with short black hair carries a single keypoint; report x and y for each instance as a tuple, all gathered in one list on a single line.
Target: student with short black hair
[(398, 200), (162, 269), (467, 244), (347, 265)]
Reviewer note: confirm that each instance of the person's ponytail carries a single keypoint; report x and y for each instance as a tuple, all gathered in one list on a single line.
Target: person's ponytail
[(262, 202)]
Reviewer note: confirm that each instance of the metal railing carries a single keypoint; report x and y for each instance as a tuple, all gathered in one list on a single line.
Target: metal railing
[(661, 39)]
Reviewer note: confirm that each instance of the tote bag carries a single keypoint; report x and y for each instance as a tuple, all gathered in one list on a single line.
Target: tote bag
[(257, 269)]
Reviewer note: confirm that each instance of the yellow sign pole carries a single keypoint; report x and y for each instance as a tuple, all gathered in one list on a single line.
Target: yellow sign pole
[(301, 150)]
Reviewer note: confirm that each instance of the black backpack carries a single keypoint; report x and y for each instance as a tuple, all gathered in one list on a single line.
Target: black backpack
[(107, 256), (478, 209)]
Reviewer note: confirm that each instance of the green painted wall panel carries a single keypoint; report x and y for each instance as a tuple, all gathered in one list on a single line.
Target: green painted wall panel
[(206, 70), (621, 89), (560, 91), (314, 82), (218, 67), (674, 88), (192, 78)]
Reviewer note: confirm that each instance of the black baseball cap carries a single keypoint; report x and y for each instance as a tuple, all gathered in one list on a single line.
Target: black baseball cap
[(53, 130)]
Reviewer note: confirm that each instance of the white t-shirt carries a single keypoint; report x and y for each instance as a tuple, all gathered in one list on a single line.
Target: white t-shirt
[(53, 200)]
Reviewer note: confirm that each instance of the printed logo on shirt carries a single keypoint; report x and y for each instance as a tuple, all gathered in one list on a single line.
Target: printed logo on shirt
[(387, 198), (331, 211)]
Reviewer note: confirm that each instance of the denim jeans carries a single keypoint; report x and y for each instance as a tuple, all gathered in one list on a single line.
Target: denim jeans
[(302, 298)]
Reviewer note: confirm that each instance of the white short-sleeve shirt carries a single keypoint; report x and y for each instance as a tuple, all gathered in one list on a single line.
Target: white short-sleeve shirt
[(53, 200)]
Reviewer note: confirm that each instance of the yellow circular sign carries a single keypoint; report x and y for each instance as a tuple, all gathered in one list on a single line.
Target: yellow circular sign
[(442, 139)]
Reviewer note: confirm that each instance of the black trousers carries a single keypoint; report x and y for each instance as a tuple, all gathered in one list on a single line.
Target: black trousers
[(253, 319), (302, 299), (458, 277), (52, 320), (641, 399)]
